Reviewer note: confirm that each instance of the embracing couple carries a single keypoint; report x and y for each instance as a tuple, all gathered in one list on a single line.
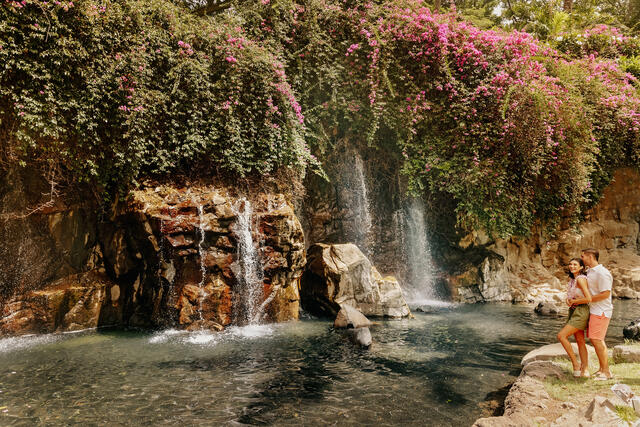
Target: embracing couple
[(590, 310)]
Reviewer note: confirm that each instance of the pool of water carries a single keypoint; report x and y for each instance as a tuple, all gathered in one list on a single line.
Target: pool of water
[(435, 369)]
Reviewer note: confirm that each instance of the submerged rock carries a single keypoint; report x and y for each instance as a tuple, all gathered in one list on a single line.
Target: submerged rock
[(340, 275), (547, 309), (360, 336)]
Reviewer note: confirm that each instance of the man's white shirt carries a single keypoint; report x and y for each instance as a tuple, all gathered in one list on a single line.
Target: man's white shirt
[(599, 279)]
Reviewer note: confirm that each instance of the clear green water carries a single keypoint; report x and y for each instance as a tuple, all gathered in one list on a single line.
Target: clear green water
[(431, 370)]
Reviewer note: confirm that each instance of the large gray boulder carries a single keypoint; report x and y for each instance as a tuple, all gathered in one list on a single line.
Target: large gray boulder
[(340, 275)]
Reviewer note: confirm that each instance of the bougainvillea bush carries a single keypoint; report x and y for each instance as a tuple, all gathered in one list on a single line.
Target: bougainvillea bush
[(499, 121), (510, 128), (112, 91)]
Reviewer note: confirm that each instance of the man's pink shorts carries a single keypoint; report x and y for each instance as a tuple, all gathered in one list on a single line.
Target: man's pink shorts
[(597, 328)]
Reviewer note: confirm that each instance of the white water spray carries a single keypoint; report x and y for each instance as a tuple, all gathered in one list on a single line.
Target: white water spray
[(249, 295), (355, 199), (421, 279)]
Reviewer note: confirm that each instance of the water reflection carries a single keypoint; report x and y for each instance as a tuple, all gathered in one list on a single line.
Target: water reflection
[(434, 369)]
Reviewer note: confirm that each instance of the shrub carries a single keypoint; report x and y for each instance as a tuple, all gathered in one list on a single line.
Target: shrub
[(116, 90)]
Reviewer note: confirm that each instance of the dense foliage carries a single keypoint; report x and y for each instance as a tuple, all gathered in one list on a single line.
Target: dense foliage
[(512, 128), (112, 91), (509, 127)]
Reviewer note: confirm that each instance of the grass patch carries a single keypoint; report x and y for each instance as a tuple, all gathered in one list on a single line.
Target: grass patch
[(626, 413), (570, 388)]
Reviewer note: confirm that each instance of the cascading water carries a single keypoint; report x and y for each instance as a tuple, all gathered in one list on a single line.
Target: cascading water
[(421, 287), (363, 218), (250, 293), (354, 198), (203, 270)]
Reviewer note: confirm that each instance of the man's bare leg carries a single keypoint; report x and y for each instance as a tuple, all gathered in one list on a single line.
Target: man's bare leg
[(601, 352)]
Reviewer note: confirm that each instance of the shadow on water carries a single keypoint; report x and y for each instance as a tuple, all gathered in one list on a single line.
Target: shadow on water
[(441, 367)]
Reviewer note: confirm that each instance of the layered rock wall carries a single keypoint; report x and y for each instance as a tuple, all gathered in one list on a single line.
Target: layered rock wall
[(533, 269), (166, 257)]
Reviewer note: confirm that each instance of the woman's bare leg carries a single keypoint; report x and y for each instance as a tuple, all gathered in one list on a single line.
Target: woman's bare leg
[(582, 350), (563, 337)]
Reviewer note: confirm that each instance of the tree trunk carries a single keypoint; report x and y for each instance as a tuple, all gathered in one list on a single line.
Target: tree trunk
[(436, 5), (567, 6)]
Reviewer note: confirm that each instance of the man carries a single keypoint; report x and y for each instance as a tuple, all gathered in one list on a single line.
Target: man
[(600, 282)]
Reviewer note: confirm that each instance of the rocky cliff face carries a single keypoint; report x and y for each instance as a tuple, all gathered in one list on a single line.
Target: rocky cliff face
[(533, 269), (473, 267), (167, 257)]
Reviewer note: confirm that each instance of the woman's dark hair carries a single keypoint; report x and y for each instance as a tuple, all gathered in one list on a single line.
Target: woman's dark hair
[(579, 261)]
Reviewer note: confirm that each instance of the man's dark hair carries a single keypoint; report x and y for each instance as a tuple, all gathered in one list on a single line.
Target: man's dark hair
[(593, 252)]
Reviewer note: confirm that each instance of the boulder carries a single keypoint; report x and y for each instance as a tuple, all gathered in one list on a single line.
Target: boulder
[(339, 275), (360, 336), (546, 308), (626, 353), (542, 369), (349, 317), (632, 330), (553, 351)]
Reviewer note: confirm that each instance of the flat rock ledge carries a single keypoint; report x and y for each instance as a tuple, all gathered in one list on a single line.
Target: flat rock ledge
[(528, 402), (551, 352)]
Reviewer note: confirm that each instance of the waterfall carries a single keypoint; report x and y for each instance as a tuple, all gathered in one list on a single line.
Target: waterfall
[(249, 294), (203, 270), (354, 199), (421, 280), (362, 205)]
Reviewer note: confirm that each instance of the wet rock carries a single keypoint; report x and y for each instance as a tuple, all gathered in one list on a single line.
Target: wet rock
[(547, 309), (200, 325), (349, 317), (76, 302), (632, 330), (156, 266), (626, 354), (360, 336), (338, 275)]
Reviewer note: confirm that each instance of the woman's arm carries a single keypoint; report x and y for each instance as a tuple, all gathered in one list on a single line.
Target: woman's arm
[(582, 282)]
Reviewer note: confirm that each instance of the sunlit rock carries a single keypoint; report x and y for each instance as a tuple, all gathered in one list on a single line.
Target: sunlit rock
[(349, 317), (339, 275)]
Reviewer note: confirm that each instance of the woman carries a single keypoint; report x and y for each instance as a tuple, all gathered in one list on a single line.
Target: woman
[(578, 299)]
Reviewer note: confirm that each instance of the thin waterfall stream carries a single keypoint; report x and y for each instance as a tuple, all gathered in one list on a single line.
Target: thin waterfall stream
[(250, 293), (203, 270), (421, 286)]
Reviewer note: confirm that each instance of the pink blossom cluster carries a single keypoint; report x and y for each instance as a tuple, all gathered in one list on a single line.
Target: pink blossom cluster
[(185, 48)]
